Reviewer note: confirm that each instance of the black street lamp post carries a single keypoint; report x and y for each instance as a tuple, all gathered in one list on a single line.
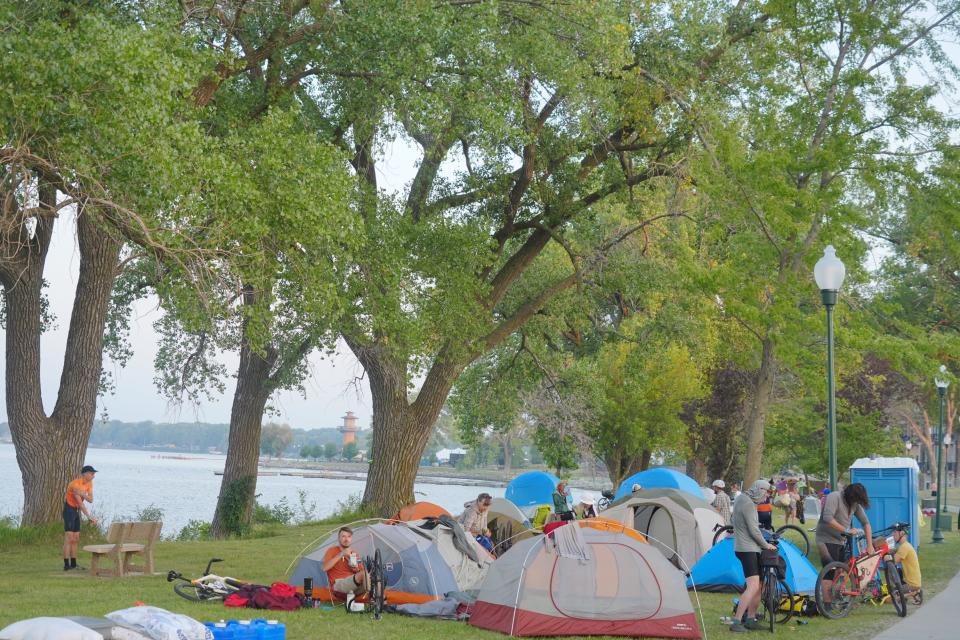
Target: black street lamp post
[(942, 384)]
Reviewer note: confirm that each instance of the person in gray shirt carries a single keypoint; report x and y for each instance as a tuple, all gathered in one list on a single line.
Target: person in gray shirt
[(748, 541), (835, 521)]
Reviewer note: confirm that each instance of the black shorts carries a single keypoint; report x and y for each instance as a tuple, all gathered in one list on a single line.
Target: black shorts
[(71, 518), (750, 561), (832, 552), (766, 519)]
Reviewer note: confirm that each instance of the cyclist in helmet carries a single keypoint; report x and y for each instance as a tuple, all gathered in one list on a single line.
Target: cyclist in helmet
[(906, 555)]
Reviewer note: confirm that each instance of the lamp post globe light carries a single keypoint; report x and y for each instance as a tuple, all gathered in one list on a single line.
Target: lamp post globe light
[(829, 273), (942, 384)]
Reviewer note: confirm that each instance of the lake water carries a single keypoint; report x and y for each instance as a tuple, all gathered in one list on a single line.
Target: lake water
[(185, 487)]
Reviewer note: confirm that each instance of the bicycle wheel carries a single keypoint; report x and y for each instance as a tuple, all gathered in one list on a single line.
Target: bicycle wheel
[(769, 599), (776, 600), (796, 536), (603, 503), (895, 588), (834, 591), (722, 533), (196, 593), (377, 586)]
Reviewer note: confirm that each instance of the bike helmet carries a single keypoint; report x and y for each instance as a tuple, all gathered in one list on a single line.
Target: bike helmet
[(900, 526)]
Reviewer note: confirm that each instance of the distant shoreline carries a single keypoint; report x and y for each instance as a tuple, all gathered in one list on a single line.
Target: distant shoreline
[(358, 470)]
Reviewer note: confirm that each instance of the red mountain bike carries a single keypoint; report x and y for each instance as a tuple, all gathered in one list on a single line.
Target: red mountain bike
[(840, 585)]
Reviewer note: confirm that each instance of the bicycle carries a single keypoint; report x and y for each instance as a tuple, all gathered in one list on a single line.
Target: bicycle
[(858, 579), (209, 588), (791, 532), (376, 596), (606, 497), (776, 597)]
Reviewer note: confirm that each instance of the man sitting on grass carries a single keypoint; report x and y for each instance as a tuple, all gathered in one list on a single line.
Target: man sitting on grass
[(342, 565)]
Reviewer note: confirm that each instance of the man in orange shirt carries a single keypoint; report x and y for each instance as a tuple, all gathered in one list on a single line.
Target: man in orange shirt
[(79, 490), (342, 565)]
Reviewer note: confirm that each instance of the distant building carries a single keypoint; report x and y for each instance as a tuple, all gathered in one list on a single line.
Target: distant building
[(349, 429), (450, 456)]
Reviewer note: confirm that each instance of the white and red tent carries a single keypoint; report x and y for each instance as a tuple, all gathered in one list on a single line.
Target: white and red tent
[(591, 577)]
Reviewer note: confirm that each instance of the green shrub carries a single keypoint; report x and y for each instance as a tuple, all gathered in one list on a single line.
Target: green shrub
[(150, 513), (349, 510), (280, 513), (194, 530)]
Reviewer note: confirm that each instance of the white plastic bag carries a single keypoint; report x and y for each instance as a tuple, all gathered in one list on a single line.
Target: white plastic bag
[(161, 624), (48, 629)]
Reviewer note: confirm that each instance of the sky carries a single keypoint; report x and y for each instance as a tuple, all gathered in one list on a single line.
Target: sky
[(331, 390)]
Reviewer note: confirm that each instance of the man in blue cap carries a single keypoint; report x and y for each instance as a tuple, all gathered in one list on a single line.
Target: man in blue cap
[(79, 490)]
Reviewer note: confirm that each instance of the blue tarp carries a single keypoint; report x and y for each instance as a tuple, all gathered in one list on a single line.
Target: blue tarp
[(720, 570), (532, 487), (660, 478)]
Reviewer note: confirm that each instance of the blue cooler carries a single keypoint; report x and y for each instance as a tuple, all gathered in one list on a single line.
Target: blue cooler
[(893, 487)]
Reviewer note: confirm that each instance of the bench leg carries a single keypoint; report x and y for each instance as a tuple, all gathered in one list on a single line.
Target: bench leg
[(95, 564), (149, 562), (128, 561), (118, 564)]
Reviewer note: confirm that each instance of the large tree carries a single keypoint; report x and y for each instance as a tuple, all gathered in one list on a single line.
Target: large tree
[(526, 117), (289, 230), (84, 139), (825, 141)]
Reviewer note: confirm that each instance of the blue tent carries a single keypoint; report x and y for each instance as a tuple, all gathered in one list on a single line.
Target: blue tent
[(720, 570), (531, 488), (660, 478)]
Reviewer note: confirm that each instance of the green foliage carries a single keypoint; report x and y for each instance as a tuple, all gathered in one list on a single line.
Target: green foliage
[(350, 509), (150, 513), (307, 509), (350, 451), (275, 439), (279, 513), (234, 503), (562, 454), (194, 530), (329, 451)]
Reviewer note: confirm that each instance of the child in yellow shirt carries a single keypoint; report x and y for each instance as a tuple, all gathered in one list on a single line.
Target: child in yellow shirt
[(906, 555)]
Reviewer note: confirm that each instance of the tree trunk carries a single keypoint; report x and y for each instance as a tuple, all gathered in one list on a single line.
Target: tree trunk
[(757, 417), (621, 466), (697, 469), (507, 454), (51, 450), (238, 487), (401, 429)]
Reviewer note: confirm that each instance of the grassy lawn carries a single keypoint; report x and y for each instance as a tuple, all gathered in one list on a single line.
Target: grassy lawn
[(32, 583)]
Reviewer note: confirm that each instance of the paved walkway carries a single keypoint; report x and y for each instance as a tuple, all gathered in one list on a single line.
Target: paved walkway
[(937, 619)]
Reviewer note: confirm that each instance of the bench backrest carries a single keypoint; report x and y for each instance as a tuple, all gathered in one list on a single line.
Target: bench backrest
[(116, 532), (145, 533)]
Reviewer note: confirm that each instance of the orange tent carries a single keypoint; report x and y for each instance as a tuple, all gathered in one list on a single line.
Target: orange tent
[(421, 510)]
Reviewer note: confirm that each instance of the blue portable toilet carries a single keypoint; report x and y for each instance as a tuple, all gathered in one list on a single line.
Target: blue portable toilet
[(532, 488), (893, 487)]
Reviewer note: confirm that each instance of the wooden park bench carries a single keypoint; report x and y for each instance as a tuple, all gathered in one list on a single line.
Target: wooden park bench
[(125, 540)]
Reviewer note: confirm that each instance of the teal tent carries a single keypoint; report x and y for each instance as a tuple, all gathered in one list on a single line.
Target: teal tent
[(720, 570)]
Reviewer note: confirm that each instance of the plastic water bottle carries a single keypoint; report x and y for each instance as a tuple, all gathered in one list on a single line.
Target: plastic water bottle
[(220, 630), (275, 630), (243, 630)]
